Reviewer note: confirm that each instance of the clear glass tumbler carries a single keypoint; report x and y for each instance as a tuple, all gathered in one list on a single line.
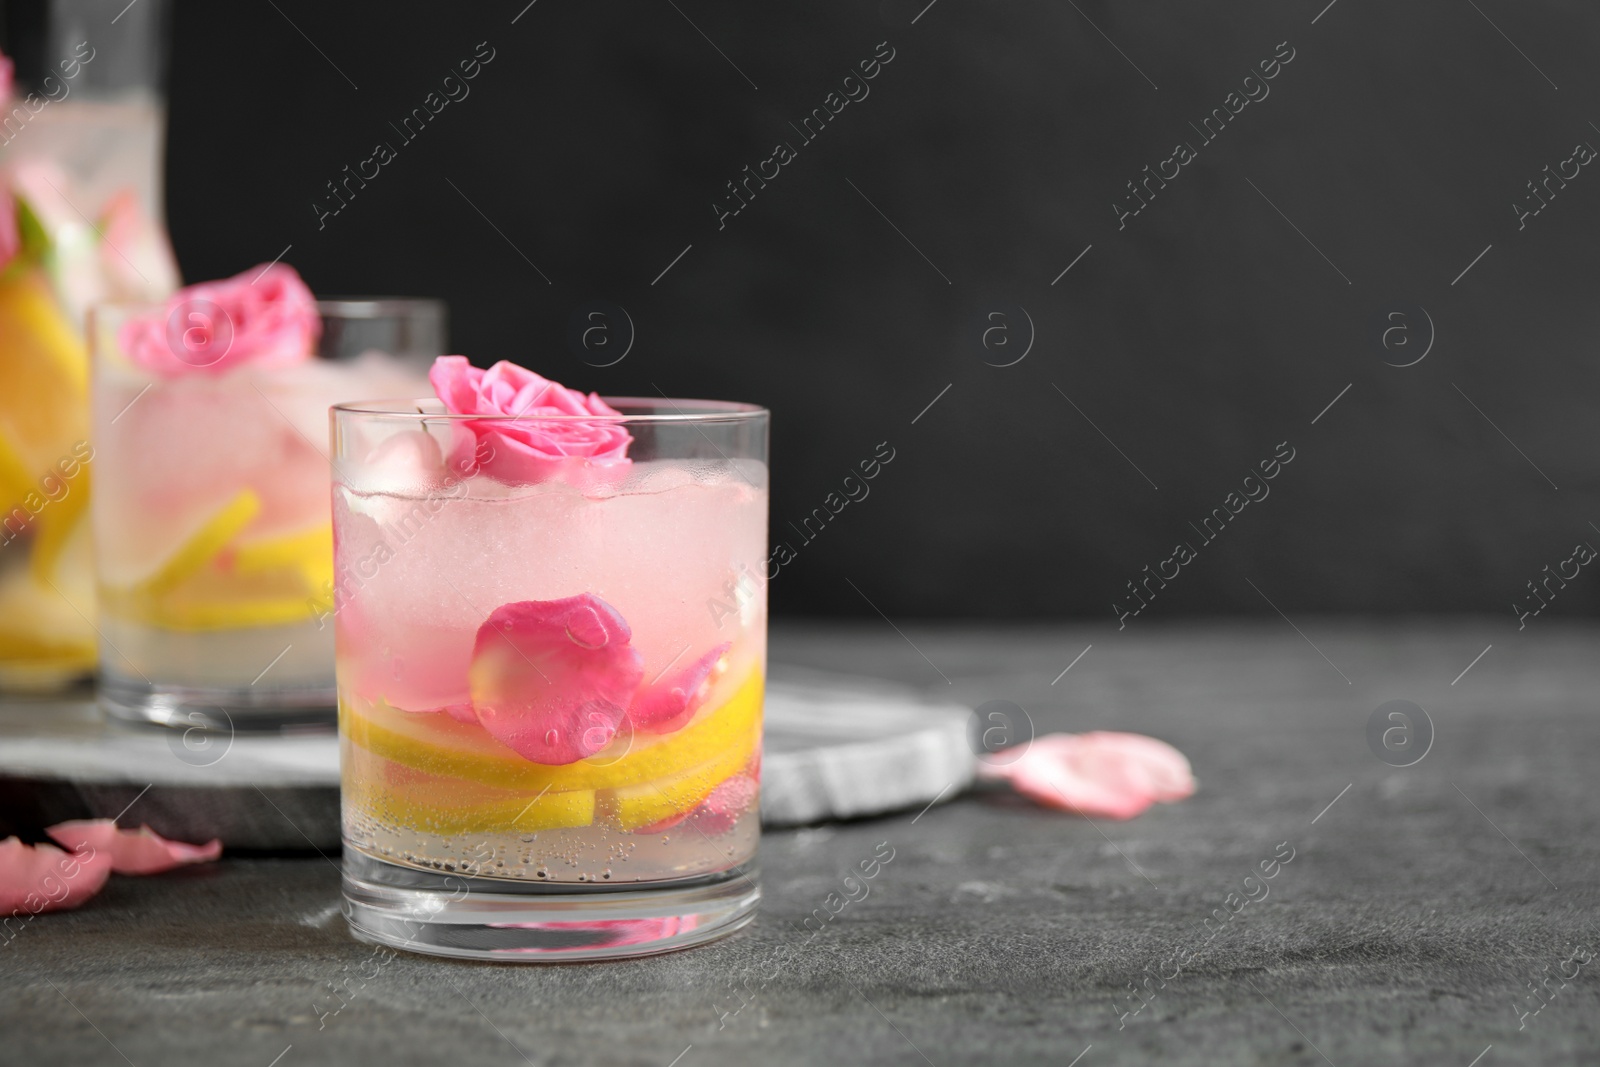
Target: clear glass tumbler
[(82, 127), (404, 329), (550, 694), (213, 539)]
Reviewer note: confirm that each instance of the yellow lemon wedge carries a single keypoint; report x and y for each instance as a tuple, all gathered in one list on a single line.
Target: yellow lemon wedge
[(309, 552), (15, 481), (400, 796), (174, 596), (44, 374), (201, 548), (221, 613), (58, 524), (632, 806), (44, 634), (437, 744), (275, 581)]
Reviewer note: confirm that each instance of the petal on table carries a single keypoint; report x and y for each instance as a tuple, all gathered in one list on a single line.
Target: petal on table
[(1105, 773), (38, 878), (141, 851)]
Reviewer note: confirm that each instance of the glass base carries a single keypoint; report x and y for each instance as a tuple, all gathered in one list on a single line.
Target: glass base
[(514, 922), (219, 709)]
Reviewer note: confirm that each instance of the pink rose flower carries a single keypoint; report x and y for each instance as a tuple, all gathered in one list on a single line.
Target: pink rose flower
[(7, 69), (530, 446), (1108, 774), (265, 317)]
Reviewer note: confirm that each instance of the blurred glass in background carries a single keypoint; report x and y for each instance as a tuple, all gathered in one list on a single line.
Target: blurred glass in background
[(213, 540), (81, 142)]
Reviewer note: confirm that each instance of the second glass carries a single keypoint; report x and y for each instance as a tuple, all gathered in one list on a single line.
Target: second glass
[(213, 542)]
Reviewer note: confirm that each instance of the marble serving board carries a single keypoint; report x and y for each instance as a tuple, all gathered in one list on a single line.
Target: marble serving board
[(834, 748)]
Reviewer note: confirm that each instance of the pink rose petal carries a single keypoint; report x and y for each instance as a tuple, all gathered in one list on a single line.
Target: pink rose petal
[(39, 878), (135, 255), (141, 851), (461, 712), (669, 704), (1107, 774), (551, 679), (10, 236), (542, 440), (720, 810)]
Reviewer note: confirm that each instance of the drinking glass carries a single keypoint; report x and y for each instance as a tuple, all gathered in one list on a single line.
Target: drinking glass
[(81, 135), (213, 540), (550, 693), (405, 329)]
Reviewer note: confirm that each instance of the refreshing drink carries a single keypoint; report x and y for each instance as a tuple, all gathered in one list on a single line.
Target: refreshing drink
[(213, 533), (80, 195), (551, 647)]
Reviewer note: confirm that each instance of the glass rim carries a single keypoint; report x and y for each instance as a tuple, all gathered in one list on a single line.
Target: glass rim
[(377, 307), (351, 306), (687, 411)]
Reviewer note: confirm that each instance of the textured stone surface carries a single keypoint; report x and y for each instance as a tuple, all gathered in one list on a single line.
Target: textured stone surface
[(1403, 931)]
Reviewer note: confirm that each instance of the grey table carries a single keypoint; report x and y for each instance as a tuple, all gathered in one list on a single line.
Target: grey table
[(1420, 908)]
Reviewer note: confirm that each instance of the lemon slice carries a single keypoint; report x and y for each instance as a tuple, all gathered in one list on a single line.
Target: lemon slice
[(44, 377), (448, 806), (439, 745), (15, 482), (43, 411), (630, 807), (39, 626), (202, 548), (200, 616), (309, 551), (169, 599), (58, 523), (43, 383)]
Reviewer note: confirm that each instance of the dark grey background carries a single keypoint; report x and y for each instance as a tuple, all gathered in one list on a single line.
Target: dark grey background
[(1197, 339)]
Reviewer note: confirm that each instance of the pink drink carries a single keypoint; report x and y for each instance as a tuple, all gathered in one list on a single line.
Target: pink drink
[(214, 553), (639, 590), (213, 528)]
